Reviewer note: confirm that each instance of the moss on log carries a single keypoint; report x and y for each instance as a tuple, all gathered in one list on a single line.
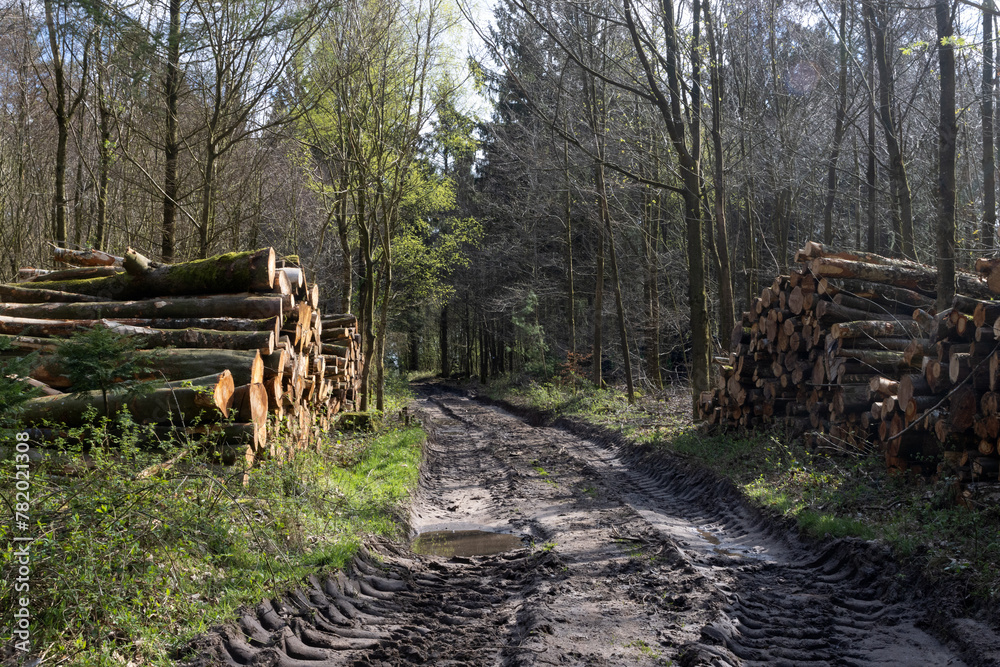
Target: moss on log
[(232, 272)]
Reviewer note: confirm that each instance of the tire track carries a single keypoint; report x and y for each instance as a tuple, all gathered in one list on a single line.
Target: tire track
[(630, 558)]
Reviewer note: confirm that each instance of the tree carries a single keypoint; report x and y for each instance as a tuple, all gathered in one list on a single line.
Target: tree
[(246, 49), (684, 131), (947, 134), (63, 29)]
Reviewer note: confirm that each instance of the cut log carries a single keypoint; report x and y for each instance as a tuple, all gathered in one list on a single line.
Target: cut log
[(19, 294), (26, 273), (912, 277), (889, 295), (877, 308), (912, 385), (891, 359), (813, 250), (205, 399), (900, 328), (191, 338), (962, 409), (988, 269), (85, 257), (178, 364), (242, 306), (74, 274), (235, 272), (917, 405), (22, 345), (18, 326), (42, 388), (883, 386), (351, 321)]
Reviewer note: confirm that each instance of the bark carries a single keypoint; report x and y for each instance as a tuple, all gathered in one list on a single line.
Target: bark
[(85, 257), (987, 233), (73, 274), (234, 272), (838, 129), (947, 134), (17, 326), (179, 364), (343, 233), (222, 306), (597, 350), (443, 341), (726, 307), (669, 106), (652, 290), (871, 191), (207, 399), (899, 275), (902, 206), (208, 196), (568, 215), (104, 167), (171, 144), (41, 293), (875, 329), (622, 329)]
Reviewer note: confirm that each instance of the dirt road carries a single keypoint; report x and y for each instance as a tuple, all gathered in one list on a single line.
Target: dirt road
[(626, 558)]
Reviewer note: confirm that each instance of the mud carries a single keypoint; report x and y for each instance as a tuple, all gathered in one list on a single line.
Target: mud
[(628, 557)]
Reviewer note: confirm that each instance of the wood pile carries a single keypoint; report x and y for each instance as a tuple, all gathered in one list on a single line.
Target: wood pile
[(242, 348), (848, 352)]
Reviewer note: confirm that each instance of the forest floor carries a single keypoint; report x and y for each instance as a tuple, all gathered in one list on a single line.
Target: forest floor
[(621, 553)]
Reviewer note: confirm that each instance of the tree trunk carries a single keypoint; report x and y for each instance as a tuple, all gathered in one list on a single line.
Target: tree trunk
[(838, 130), (62, 126), (568, 214), (597, 350), (104, 168), (947, 134), (443, 341), (988, 231), (622, 329), (726, 300), (902, 206), (207, 203), (171, 145), (669, 106), (343, 232)]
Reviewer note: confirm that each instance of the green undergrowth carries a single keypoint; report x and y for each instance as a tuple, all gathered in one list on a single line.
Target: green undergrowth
[(126, 569), (928, 522)]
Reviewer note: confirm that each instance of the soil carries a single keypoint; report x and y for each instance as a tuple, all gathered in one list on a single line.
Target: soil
[(625, 557)]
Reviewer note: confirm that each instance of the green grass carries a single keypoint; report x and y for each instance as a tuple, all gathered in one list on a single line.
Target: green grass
[(130, 569), (827, 495)]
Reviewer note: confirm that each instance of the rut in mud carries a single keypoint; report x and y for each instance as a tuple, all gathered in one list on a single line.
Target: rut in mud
[(625, 558)]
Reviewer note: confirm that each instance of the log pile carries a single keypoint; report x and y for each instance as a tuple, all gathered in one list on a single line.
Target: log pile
[(848, 352), (241, 346)]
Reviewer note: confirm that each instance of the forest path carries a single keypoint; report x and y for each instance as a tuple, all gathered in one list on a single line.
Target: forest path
[(625, 559)]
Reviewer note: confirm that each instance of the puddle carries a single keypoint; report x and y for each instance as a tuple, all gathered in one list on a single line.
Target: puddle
[(449, 543), (708, 537), (716, 542)]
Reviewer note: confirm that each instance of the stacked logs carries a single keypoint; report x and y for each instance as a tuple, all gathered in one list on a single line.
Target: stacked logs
[(848, 352), (240, 347)]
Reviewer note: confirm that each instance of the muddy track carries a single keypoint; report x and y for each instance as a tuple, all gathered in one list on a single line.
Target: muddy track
[(628, 558)]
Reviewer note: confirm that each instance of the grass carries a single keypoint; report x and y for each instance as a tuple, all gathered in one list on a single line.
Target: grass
[(125, 569), (827, 494)]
